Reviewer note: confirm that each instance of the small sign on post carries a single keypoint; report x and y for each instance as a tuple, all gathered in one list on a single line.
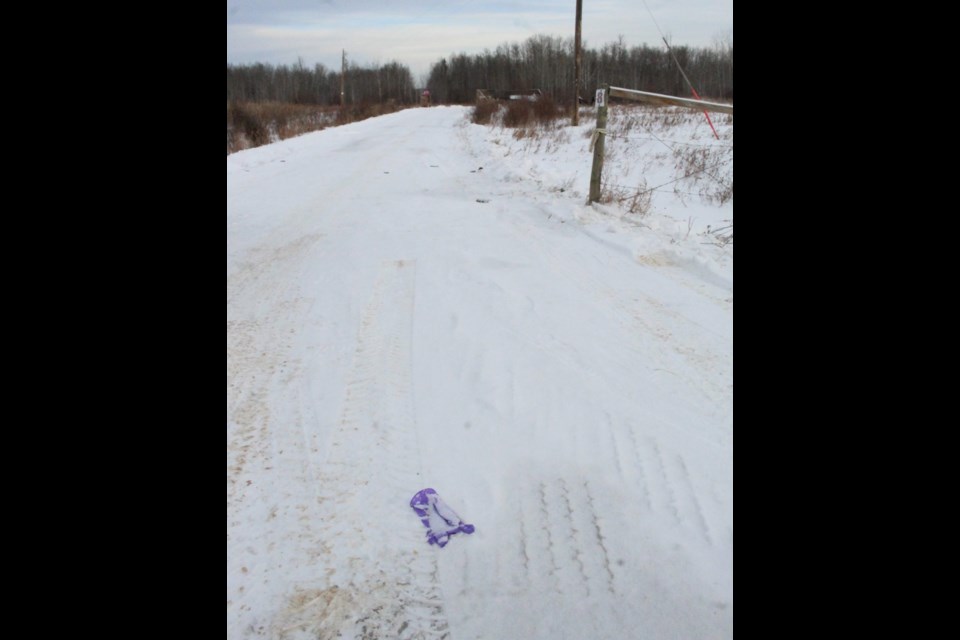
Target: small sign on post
[(599, 136)]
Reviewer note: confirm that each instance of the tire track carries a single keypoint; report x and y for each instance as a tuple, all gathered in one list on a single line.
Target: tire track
[(270, 489), (563, 539), (601, 539), (692, 493), (548, 529), (532, 529), (566, 547), (644, 483), (692, 356), (256, 357), (610, 432), (669, 491), (397, 593), (515, 566), (576, 536)]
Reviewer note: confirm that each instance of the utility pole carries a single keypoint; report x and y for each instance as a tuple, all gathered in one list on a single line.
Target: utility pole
[(343, 75), (577, 59)]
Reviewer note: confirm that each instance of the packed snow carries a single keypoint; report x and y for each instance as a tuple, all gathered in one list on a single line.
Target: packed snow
[(417, 301)]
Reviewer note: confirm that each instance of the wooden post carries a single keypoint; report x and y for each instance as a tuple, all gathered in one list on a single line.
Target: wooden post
[(599, 136), (578, 60)]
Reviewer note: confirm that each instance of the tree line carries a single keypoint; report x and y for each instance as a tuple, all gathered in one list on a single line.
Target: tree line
[(547, 63), (541, 62), (299, 84)]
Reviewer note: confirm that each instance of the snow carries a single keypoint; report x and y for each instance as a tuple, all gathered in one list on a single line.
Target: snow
[(417, 301)]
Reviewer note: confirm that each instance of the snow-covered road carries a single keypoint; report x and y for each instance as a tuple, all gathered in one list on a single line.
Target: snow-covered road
[(404, 312)]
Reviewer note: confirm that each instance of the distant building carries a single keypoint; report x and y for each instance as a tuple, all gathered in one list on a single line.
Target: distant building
[(486, 94)]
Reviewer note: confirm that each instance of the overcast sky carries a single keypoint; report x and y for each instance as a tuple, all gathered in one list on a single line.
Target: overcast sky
[(418, 33)]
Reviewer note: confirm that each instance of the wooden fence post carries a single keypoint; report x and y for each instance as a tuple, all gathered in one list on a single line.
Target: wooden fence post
[(598, 143)]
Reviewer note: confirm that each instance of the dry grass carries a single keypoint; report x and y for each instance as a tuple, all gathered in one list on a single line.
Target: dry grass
[(355, 113), (484, 111), (517, 113), (546, 111), (251, 124), (721, 236), (700, 168), (636, 201), (701, 163), (642, 139)]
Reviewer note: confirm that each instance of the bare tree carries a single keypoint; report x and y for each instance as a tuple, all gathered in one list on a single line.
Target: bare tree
[(543, 62)]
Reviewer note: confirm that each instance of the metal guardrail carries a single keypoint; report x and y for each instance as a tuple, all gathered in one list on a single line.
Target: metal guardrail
[(659, 98)]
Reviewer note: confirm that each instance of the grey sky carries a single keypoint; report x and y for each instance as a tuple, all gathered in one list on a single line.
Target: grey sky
[(418, 33)]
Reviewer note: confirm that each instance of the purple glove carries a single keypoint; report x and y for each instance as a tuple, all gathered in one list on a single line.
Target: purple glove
[(440, 520)]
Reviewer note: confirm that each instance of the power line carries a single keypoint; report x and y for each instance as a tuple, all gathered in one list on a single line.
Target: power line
[(654, 19)]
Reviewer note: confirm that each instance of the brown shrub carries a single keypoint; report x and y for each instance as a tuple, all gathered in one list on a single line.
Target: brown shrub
[(519, 113), (243, 119), (252, 124), (362, 111), (545, 110), (483, 111)]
